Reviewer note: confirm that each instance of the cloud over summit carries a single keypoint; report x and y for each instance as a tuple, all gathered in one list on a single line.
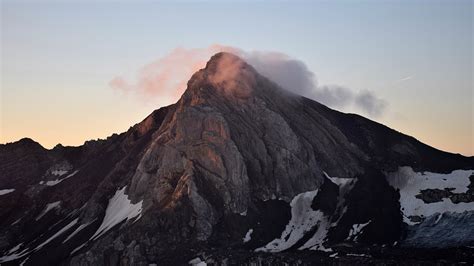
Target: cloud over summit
[(167, 78)]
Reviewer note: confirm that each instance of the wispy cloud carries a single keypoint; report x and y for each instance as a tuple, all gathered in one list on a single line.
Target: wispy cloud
[(405, 79), (167, 77)]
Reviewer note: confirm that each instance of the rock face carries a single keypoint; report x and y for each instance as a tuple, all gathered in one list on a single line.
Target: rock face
[(236, 164)]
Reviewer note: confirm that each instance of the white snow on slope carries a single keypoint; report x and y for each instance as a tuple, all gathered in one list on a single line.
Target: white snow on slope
[(197, 262), (82, 226), (356, 230), (119, 209), (411, 183), (9, 256), (316, 242), (6, 191), (341, 182), (15, 248), (78, 248), (17, 221), (439, 218), (358, 255), (13, 256), (305, 219), (248, 236), (57, 181), (48, 207), (24, 261), (64, 229), (59, 172)]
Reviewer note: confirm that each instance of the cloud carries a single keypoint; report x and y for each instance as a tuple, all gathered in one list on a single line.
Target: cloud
[(368, 102), (167, 77), (287, 72), (333, 95), (294, 75), (405, 79)]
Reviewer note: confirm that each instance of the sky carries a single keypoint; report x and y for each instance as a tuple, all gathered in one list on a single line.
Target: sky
[(59, 57)]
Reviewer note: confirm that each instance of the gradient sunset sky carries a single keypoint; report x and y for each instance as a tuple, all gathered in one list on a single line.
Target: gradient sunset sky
[(58, 57)]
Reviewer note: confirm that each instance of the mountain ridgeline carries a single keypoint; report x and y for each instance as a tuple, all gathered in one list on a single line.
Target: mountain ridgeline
[(237, 171)]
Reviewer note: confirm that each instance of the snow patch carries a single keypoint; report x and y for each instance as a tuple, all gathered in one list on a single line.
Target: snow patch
[(248, 236), (316, 242), (48, 207), (6, 191), (82, 226), (24, 261), (64, 229), (119, 209), (197, 262), (59, 172), (57, 181), (13, 256), (339, 180), (356, 230), (411, 183), (15, 248), (358, 255), (303, 218), (77, 249), (17, 221)]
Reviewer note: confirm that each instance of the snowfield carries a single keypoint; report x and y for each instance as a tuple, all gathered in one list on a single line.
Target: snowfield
[(6, 191), (60, 232), (119, 209), (48, 207), (57, 181), (59, 172), (411, 183), (78, 248), (356, 230), (248, 236), (197, 262), (304, 219), (316, 242), (82, 226), (13, 254)]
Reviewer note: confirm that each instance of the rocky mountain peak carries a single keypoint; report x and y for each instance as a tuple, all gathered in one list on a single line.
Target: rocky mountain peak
[(236, 167), (226, 74), (222, 57)]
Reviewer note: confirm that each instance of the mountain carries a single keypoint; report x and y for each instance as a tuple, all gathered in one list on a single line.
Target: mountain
[(238, 171)]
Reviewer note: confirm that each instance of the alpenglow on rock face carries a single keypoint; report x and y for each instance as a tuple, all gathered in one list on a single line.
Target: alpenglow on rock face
[(237, 166)]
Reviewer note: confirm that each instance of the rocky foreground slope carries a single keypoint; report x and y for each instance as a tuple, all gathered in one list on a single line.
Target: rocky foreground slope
[(238, 171)]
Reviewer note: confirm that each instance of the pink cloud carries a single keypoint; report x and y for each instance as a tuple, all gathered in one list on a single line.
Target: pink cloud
[(167, 77)]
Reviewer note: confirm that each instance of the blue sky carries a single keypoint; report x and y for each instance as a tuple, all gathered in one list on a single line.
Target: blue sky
[(58, 57)]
